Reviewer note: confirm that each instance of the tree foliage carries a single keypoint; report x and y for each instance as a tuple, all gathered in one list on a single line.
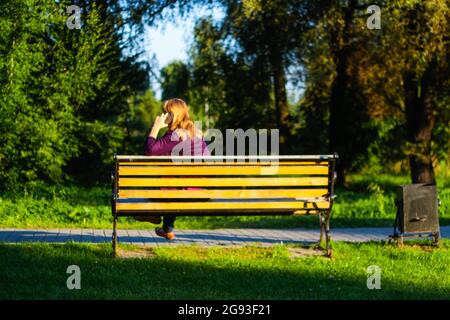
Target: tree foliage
[(71, 98), (62, 91)]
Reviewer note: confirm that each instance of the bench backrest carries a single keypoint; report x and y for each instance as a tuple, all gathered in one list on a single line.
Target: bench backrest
[(223, 185)]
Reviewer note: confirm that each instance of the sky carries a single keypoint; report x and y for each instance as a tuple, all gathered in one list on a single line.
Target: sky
[(166, 44), (170, 40)]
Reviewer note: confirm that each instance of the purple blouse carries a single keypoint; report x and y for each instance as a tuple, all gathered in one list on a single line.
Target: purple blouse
[(164, 145)]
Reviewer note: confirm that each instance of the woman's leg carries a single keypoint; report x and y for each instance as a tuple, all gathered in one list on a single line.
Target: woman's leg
[(167, 229), (169, 223), (151, 219)]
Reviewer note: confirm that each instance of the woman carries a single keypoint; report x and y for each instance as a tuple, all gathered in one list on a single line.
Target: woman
[(181, 130)]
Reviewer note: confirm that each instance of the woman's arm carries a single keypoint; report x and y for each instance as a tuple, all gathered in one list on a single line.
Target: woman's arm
[(162, 146)]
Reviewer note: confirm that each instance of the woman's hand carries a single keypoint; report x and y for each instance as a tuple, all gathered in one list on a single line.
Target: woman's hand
[(158, 125), (160, 121)]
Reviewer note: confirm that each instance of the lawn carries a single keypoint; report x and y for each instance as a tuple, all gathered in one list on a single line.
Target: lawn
[(38, 271), (368, 201)]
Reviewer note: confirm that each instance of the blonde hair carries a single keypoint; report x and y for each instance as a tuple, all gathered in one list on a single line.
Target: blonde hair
[(181, 122)]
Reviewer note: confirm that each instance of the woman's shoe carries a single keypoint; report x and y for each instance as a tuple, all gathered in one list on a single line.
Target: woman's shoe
[(151, 219), (168, 235)]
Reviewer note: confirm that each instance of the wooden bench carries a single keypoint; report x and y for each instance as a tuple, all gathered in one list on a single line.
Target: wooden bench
[(230, 185)]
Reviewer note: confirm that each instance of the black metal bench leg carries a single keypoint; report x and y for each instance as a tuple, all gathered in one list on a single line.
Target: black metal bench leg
[(327, 234), (322, 229), (114, 236), (436, 238)]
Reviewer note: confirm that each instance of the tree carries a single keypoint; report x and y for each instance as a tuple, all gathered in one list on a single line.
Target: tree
[(424, 52), (62, 92), (334, 102), (237, 91), (143, 109), (175, 79), (268, 32), (410, 65), (384, 88)]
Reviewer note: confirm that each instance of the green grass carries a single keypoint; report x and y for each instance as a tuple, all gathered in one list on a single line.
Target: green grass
[(368, 201), (38, 271)]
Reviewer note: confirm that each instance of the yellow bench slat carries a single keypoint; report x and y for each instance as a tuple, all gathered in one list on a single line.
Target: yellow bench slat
[(304, 212), (212, 163), (220, 206), (222, 182), (212, 194), (225, 170)]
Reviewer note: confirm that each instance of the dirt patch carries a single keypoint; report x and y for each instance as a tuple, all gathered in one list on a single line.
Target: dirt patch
[(149, 252), (295, 253), (136, 253)]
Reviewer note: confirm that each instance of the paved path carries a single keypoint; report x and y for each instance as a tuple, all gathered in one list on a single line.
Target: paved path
[(202, 237)]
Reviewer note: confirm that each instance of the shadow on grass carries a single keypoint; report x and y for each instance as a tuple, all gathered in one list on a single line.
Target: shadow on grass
[(39, 272)]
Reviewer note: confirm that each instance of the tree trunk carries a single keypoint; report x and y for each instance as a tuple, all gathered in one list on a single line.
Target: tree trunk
[(339, 102), (420, 121), (281, 104), (337, 139)]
